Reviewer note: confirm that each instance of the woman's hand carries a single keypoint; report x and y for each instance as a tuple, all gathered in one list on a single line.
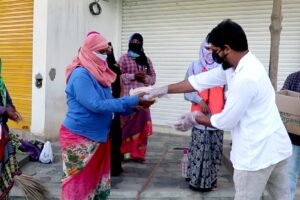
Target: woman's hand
[(140, 76), (204, 107), (13, 114), (145, 102), (19, 117)]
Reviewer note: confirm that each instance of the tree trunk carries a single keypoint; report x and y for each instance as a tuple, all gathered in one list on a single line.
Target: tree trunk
[(275, 29)]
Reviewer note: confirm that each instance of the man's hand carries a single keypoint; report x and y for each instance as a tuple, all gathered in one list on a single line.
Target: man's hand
[(187, 121), (140, 76), (158, 92), (204, 107)]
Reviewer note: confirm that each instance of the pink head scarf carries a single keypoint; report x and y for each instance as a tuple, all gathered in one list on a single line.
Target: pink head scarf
[(85, 58)]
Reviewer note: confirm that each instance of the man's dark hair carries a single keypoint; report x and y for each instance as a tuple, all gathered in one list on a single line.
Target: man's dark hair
[(230, 33)]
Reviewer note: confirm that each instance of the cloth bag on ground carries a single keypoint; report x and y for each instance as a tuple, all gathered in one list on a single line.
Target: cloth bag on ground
[(31, 149), (46, 154)]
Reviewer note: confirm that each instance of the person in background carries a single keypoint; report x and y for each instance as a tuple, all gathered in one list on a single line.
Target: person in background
[(260, 143), (115, 127), (84, 134), (205, 150), (137, 71), (8, 162), (293, 83)]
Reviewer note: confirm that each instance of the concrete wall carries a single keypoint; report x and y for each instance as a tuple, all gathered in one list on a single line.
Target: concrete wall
[(67, 23), (39, 66)]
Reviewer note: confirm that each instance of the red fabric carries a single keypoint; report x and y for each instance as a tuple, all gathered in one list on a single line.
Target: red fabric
[(83, 183), (214, 98), (137, 145), (215, 101)]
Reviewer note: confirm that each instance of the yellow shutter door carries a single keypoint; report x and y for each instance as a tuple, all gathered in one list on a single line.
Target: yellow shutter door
[(16, 24)]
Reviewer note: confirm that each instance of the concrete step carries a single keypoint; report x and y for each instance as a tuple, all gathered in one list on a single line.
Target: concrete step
[(22, 159), (17, 194), (48, 174)]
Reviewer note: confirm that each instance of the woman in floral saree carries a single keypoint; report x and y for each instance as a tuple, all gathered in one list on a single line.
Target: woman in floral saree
[(84, 135)]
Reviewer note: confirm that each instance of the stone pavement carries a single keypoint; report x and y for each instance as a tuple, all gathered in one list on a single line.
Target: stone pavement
[(158, 178)]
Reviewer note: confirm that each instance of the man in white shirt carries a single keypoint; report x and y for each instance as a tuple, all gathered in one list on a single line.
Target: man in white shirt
[(260, 143)]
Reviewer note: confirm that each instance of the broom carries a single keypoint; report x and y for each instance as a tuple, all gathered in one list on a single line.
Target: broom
[(32, 188)]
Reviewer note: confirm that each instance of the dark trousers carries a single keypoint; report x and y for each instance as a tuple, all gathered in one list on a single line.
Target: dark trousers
[(116, 141)]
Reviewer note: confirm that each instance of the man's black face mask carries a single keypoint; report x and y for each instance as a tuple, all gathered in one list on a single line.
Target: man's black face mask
[(219, 60)]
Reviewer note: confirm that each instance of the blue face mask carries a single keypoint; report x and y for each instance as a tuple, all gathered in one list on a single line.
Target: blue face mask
[(102, 57)]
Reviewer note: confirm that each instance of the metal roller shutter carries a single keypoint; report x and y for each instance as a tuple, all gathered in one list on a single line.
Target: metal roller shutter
[(16, 22), (173, 31)]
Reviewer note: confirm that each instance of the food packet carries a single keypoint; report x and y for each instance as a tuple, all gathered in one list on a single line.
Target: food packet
[(139, 90)]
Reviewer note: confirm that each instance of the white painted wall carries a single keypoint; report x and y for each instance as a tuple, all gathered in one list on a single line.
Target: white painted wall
[(67, 24), (39, 66)]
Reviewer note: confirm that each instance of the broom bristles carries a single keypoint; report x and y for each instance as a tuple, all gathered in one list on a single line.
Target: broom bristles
[(32, 188)]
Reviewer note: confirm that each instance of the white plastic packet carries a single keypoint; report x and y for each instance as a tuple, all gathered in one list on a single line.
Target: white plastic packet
[(46, 154), (139, 90)]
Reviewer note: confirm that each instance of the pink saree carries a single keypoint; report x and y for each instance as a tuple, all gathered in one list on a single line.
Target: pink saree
[(86, 167)]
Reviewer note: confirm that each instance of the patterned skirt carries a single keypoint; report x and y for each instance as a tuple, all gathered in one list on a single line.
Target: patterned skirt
[(8, 165), (204, 155), (86, 167)]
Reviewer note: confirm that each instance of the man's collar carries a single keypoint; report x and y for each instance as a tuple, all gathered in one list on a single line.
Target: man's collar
[(242, 61)]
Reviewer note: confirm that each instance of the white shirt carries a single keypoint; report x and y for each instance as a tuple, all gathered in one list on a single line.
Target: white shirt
[(259, 138)]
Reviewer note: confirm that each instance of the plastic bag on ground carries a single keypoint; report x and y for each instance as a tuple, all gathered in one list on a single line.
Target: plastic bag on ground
[(46, 154)]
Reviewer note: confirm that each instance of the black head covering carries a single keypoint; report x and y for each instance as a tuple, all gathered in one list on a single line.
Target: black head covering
[(111, 57), (137, 36), (138, 49), (112, 64)]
